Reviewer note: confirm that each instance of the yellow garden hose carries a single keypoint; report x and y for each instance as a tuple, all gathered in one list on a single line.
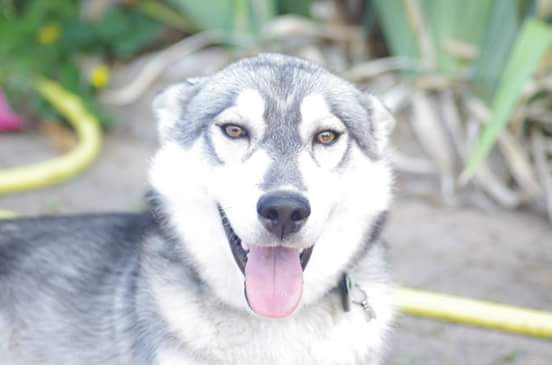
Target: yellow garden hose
[(58, 169), (455, 309), (7, 214)]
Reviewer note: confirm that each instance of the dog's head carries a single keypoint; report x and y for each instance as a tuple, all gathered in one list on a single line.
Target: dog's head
[(272, 172)]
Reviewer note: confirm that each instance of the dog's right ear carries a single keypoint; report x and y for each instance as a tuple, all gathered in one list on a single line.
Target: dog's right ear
[(382, 122), (169, 104)]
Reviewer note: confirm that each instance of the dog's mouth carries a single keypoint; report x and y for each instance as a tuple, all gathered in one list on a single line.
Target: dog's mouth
[(273, 275)]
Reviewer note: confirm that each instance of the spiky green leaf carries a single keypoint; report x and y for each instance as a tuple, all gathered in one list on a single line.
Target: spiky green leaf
[(531, 44)]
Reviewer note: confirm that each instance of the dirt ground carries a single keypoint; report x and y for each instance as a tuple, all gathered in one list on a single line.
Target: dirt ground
[(495, 255)]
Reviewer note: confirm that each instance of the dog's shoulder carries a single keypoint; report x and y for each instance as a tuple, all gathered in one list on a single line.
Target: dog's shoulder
[(40, 242), (65, 274)]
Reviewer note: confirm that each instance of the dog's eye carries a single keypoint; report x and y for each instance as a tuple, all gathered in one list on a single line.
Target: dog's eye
[(233, 131), (326, 137)]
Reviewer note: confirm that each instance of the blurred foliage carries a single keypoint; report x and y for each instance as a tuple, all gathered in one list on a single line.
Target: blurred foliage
[(48, 38), (499, 43), (534, 39), (298, 7), (239, 16)]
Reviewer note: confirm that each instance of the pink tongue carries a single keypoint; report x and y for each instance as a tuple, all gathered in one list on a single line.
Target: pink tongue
[(273, 280)]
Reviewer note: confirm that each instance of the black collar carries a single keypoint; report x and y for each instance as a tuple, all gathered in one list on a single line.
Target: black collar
[(344, 287)]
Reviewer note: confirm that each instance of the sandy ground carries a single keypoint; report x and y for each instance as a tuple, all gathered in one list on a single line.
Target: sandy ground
[(501, 256)]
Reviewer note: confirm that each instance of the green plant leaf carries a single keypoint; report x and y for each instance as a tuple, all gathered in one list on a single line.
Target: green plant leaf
[(454, 22), (125, 32), (447, 22), (298, 7), (502, 27), (261, 12), (532, 42), (122, 31), (397, 28), (213, 14), (168, 16), (244, 16)]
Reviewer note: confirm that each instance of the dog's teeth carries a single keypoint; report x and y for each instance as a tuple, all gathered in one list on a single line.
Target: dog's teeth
[(244, 246)]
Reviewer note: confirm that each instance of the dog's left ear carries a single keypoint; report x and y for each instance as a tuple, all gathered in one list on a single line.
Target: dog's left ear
[(170, 104), (381, 121)]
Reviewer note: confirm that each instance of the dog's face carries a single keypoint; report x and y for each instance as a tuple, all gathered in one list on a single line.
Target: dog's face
[(272, 174)]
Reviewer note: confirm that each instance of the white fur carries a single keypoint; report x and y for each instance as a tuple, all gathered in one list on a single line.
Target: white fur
[(314, 335), (164, 106), (383, 122), (339, 215), (318, 333), (313, 107), (248, 113), (315, 118), (193, 212)]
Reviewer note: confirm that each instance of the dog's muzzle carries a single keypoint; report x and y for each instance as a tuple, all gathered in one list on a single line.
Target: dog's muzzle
[(273, 273), (238, 251)]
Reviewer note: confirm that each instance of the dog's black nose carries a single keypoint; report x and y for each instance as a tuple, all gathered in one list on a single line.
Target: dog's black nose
[(283, 213)]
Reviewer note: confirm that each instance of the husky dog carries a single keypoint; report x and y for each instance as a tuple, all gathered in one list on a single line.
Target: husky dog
[(261, 245)]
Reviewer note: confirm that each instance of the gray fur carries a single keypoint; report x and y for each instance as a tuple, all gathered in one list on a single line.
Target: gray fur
[(278, 79), (82, 290), (75, 290), (283, 172)]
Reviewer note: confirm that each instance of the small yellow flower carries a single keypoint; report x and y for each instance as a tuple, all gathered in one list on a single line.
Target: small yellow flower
[(48, 34), (99, 77)]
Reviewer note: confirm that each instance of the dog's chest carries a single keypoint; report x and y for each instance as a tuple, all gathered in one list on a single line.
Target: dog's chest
[(317, 338)]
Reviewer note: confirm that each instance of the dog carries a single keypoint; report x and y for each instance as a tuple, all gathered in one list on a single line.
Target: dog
[(261, 243)]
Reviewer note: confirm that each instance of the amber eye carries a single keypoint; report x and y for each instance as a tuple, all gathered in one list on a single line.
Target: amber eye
[(233, 131), (326, 137)]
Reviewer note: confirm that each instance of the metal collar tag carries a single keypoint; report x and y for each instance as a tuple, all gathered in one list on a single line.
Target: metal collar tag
[(352, 293)]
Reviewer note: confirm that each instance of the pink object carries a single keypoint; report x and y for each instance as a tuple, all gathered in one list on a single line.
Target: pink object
[(9, 121), (273, 280)]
